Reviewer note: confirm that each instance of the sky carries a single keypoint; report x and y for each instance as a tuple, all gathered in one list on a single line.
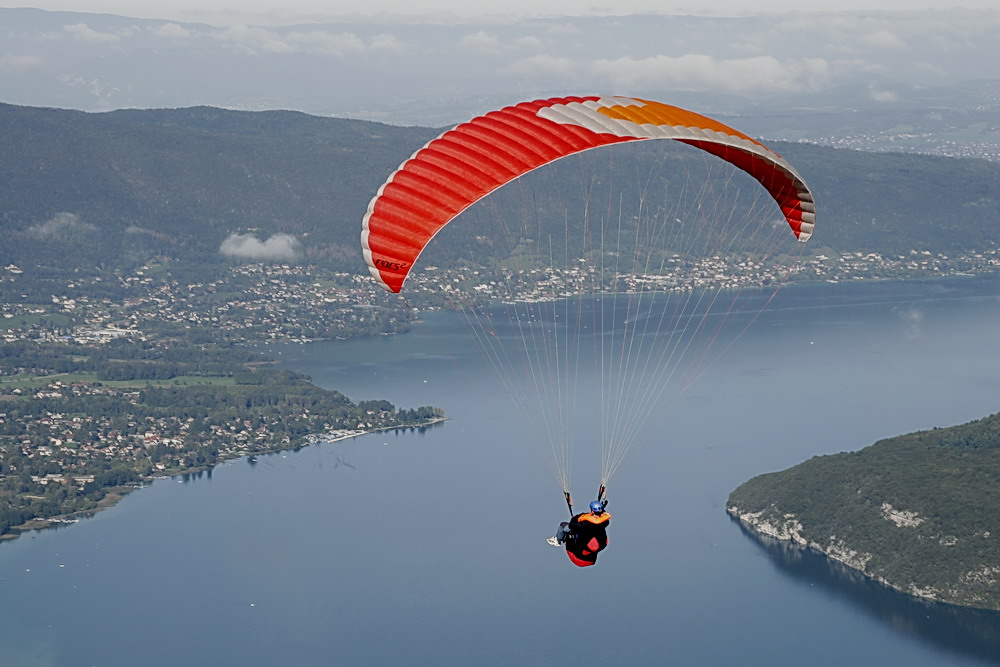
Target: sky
[(278, 12), (395, 66)]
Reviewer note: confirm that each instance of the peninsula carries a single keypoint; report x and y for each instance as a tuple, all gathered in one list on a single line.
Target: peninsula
[(83, 421), (917, 512)]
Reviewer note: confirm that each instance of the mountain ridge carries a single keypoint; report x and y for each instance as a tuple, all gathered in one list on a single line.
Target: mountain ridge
[(133, 184)]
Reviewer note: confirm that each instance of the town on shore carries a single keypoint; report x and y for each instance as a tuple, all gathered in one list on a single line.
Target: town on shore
[(98, 373), (280, 302)]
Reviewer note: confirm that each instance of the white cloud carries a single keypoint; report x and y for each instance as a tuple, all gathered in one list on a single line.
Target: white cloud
[(9, 63), (748, 46), (883, 96), (882, 39), (704, 72), (95, 87), (486, 43), (171, 31), (324, 42), (85, 33), (279, 247), (528, 42), (564, 29), (388, 43), (544, 64), (61, 225), (254, 40), (481, 42), (932, 69), (798, 51)]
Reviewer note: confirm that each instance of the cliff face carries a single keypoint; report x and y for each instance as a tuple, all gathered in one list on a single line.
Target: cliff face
[(789, 529), (919, 512)]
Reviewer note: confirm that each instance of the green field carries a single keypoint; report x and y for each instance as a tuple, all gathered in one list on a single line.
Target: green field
[(21, 322)]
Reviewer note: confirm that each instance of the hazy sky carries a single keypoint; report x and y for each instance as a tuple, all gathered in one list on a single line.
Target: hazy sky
[(291, 11), (386, 66)]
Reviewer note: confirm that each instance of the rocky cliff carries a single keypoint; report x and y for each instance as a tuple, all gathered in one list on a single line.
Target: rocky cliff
[(918, 512)]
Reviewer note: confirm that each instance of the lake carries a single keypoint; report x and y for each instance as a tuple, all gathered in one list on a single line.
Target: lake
[(420, 548)]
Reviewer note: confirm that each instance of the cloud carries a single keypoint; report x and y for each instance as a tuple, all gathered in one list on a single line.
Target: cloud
[(9, 63), (389, 43), (687, 72), (325, 43), (545, 64), (564, 29), (883, 96), (85, 33), (481, 42), (882, 39), (860, 65), (704, 72), (280, 247), (95, 87), (61, 226), (748, 47), (171, 31), (528, 42), (932, 69), (486, 43), (254, 40)]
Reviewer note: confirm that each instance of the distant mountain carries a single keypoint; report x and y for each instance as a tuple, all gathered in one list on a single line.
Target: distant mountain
[(127, 184), (79, 189), (917, 512)]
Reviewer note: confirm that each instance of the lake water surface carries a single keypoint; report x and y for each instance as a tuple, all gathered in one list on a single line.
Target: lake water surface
[(421, 548)]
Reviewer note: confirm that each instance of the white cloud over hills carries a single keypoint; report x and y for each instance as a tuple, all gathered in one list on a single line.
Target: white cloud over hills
[(276, 248)]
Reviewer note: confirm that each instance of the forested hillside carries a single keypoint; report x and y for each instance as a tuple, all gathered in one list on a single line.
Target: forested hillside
[(917, 511), (139, 183), (79, 189)]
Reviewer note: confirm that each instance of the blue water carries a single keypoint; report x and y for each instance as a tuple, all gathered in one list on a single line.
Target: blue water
[(419, 548)]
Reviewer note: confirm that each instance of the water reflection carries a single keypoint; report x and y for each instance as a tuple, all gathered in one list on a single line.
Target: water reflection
[(187, 477), (961, 630)]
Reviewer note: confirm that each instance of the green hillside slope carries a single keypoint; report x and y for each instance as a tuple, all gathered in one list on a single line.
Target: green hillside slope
[(918, 512), (78, 189), (178, 182)]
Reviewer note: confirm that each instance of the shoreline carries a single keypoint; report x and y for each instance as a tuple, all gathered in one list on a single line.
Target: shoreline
[(789, 535), (116, 494)]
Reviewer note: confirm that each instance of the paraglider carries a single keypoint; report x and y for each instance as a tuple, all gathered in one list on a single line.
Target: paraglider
[(636, 298), (468, 162), (585, 535)]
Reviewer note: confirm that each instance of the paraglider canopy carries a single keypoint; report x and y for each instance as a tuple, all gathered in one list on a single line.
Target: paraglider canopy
[(475, 158), (610, 281)]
